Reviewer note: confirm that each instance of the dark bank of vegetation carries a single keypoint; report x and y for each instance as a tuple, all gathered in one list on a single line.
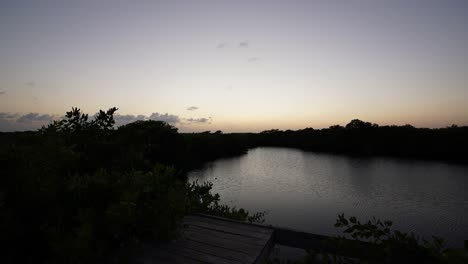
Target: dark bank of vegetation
[(79, 189), (356, 138), (364, 138)]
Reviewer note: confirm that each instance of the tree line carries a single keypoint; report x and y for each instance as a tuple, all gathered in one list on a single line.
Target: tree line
[(79, 190)]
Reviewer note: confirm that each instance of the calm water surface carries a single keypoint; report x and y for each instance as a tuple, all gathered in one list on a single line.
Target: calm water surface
[(306, 190)]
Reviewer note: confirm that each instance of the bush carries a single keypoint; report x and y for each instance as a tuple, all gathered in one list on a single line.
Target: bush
[(75, 192), (384, 245)]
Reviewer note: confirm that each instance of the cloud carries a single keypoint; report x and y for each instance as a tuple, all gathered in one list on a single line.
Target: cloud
[(192, 108), (18, 122), (8, 115), (170, 119), (243, 44), (121, 120), (2, 92), (34, 117), (201, 120), (33, 121), (222, 45), (253, 59), (7, 125), (31, 84)]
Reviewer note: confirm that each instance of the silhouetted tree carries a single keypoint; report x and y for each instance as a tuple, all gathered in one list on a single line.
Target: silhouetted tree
[(336, 127), (105, 120), (358, 124)]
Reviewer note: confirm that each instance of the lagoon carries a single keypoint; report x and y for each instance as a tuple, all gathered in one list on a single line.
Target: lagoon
[(306, 190)]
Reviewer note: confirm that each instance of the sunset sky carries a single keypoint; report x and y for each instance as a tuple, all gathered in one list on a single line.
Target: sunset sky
[(235, 65)]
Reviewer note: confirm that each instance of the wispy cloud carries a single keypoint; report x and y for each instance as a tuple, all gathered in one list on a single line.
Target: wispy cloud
[(243, 44), (202, 120), (31, 84), (2, 92), (192, 108), (222, 45), (253, 59)]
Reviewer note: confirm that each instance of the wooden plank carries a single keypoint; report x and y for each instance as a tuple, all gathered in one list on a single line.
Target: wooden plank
[(214, 233), (244, 227), (201, 256), (154, 254), (225, 243), (170, 258), (227, 229), (214, 240), (231, 223), (218, 251), (260, 225), (265, 252)]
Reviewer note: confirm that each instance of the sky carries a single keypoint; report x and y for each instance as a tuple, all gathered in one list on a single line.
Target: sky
[(235, 66)]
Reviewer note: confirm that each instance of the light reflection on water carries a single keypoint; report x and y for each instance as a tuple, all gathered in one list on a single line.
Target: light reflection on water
[(306, 190)]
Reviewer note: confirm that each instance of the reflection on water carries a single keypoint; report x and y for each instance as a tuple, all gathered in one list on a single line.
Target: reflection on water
[(305, 190)]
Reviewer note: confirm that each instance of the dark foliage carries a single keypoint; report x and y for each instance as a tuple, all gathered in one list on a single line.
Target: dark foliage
[(375, 241), (79, 190), (207, 146), (363, 138), (383, 245)]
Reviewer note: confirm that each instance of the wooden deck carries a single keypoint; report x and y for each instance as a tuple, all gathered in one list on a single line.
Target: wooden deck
[(211, 239), (207, 239)]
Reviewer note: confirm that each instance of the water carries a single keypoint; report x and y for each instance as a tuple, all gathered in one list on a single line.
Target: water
[(306, 190)]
